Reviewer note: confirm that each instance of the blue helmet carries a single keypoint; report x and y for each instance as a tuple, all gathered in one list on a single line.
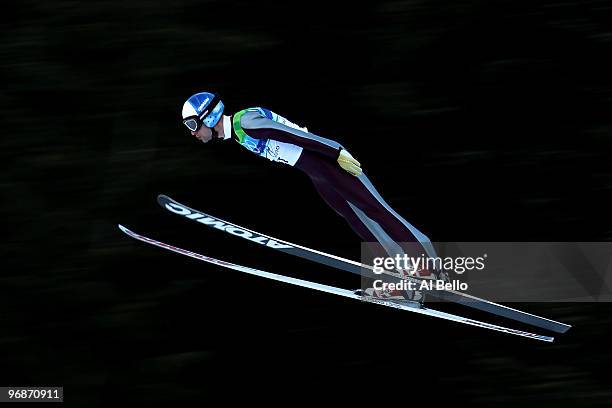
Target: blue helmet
[(203, 108)]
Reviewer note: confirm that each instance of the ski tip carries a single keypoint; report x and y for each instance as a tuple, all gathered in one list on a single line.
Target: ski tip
[(128, 232), (162, 197)]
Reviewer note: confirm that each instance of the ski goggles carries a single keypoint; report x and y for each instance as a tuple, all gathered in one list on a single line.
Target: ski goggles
[(195, 122)]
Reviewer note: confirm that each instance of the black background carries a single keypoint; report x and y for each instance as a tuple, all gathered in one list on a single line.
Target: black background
[(477, 121)]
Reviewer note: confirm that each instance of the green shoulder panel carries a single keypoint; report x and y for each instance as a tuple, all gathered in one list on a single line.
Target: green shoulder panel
[(237, 128)]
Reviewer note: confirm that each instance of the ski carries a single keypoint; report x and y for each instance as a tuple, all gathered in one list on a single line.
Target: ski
[(352, 266), (407, 306)]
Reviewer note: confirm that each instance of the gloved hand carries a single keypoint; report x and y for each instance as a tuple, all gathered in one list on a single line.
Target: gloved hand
[(348, 163)]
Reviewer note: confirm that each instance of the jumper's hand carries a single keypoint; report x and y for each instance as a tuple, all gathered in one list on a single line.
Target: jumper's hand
[(348, 163)]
